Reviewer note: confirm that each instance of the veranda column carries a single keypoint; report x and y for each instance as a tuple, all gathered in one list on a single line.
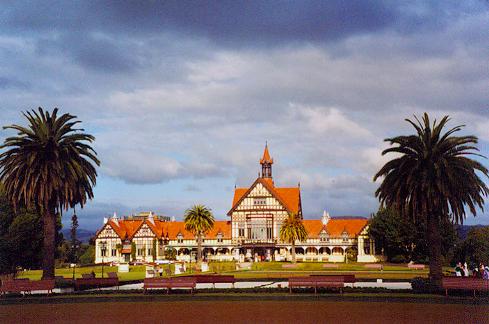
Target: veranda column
[(361, 250)]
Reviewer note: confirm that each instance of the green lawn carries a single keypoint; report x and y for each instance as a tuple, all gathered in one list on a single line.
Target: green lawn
[(261, 270)]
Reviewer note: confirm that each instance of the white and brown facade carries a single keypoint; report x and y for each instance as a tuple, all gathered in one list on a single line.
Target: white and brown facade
[(252, 233)]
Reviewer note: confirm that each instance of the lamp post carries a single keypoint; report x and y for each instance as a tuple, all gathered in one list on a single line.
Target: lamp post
[(104, 249)]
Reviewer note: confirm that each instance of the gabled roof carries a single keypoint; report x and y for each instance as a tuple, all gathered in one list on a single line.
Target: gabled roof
[(126, 229), (290, 198), (335, 227)]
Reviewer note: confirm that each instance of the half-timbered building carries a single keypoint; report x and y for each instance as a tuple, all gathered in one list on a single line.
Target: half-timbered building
[(252, 233)]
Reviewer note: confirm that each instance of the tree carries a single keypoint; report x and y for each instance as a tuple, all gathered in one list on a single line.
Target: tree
[(403, 241), (74, 242), (293, 230), (432, 179), (198, 220), (48, 166), (476, 245)]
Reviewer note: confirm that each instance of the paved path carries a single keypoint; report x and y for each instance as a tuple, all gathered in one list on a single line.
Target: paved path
[(282, 284)]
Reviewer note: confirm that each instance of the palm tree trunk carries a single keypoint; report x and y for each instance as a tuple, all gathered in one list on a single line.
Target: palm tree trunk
[(434, 240), (49, 228), (293, 252), (199, 249)]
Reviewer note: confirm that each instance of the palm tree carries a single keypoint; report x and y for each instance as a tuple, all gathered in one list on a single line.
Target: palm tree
[(293, 230), (48, 166), (198, 220), (432, 179)]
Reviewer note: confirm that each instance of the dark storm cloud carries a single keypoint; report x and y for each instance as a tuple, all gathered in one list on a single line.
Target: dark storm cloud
[(232, 22)]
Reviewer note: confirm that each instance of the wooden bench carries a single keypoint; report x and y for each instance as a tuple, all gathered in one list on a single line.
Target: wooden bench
[(26, 286), (213, 279), (346, 278), (374, 266), (464, 283), (414, 266), (170, 283), (290, 266), (317, 282), (87, 283)]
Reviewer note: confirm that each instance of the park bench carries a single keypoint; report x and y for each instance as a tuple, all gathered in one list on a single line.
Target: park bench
[(90, 282), (464, 283), (213, 279), (317, 282), (374, 266), (414, 266), (330, 265), (88, 276), (170, 283), (26, 285), (290, 266), (243, 266), (349, 278)]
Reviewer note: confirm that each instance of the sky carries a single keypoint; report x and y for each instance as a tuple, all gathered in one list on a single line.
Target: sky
[(182, 96)]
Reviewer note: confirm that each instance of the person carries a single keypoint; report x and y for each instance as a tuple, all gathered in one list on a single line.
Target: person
[(466, 270), (485, 275), (458, 269), (160, 271)]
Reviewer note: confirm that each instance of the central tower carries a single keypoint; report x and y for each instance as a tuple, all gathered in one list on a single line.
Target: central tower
[(266, 164)]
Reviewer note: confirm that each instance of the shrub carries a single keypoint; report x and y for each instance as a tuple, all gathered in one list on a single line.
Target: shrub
[(398, 259), (423, 285)]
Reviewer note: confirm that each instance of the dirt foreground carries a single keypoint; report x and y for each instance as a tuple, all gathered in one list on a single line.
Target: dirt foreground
[(244, 312)]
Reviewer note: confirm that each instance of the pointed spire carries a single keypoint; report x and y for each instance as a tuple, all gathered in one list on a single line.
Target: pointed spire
[(266, 163), (266, 156)]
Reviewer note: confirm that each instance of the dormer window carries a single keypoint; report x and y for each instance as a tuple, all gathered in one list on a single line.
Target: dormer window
[(324, 236), (345, 236), (180, 238), (259, 201), (219, 237)]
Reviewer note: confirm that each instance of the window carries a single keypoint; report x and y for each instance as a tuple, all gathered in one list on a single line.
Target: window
[(241, 230), (219, 237), (103, 251), (324, 237), (345, 236), (114, 252), (149, 251), (180, 238), (140, 251), (259, 201)]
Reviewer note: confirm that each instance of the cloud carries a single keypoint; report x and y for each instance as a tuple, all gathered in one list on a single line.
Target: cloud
[(183, 96)]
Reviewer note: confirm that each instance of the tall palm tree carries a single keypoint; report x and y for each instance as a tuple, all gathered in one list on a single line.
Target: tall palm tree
[(432, 179), (199, 220), (293, 230), (49, 165)]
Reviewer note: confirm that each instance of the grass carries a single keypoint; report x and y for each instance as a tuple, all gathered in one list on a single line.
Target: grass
[(260, 270)]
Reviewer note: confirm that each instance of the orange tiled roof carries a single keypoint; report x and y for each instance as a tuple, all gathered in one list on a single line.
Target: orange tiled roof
[(128, 228), (289, 197), (335, 227)]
